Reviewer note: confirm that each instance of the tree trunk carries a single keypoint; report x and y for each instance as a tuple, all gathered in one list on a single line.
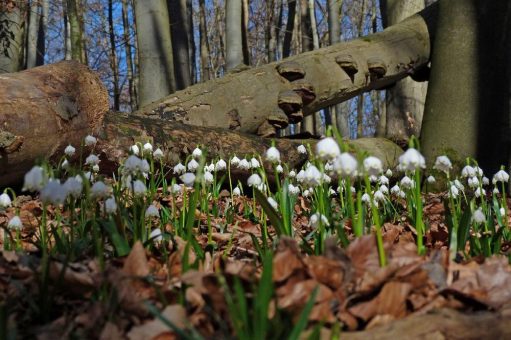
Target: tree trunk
[(244, 32), (191, 41), (405, 100), (233, 36), (113, 57), (154, 50), (290, 27), (129, 55), (41, 32), (67, 34), (75, 31), (44, 109), (270, 33), (259, 98), (32, 33), (180, 50), (11, 36), (204, 47)]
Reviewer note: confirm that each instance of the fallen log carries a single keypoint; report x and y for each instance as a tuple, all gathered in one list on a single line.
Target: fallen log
[(44, 109), (266, 98)]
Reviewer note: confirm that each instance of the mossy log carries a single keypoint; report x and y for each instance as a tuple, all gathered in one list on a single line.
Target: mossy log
[(265, 98)]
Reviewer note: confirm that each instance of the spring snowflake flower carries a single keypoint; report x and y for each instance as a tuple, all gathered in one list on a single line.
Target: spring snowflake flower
[(65, 164), (431, 179), (407, 183), (73, 187), (496, 191), (346, 165), (372, 166), (110, 205), (5, 201), (301, 149), (301, 176), (95, 168), (254, 163), (210, 168), (273, 155), (443, 163), (366, 198), (197, 153), (500, 176), (90, 140), (312, 176), (235, 161), (158, 154), (273, 203), (88, 176), (15, 223), (133, 165), (193, 165), (244, 165), (329, 166), (411, 160), (306, 193), (179, 169), (468, 171), (379, 196), (316, 219), (384, 189), (92, 160), (135, 149), (292, 174), (69, 150), (478, 192), (176, 189), (53, 192), (486, 181), (156, 235), (459, 185), (478, 216), (147, 147), (395, 190), (473, 182), (454, 192), (188, 179), (220, 165), (139, 188), (388, 173), (236, 191), (254, 180), (327, 149), (208, 177), (279, 169), (99, 190), (152, 211), (502, 211), (35, 179), (293, 190)]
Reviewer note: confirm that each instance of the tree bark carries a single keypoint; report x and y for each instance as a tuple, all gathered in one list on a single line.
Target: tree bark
[(75, 31), (11, 36), (191, 41), (33, 27), (233, 35), (44, 109), (129, 61), (244, 32), (180, 50), (249, 100), (41, 32), (113, 57), (290, 27), (204, 47)]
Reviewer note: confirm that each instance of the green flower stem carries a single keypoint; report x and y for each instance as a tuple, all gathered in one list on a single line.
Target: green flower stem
[(419, 223), (377, 224)]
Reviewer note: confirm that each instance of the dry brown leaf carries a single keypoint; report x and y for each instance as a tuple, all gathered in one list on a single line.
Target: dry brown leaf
[(136, 263), (156, 329)]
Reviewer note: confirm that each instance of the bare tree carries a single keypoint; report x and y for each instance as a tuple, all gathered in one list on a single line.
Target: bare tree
[(11, 36), (180, 40), (233, 35)]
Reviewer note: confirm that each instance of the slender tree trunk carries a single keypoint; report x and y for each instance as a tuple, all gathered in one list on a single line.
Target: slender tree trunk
[(233, 35), (33, 26), (314, 27), (12, 23), (67, 33), (155, 50), (113, 56), (136, 58), (221, 50), (290, 28), (244, 32), (75, 32), (361, 101), (204, 45), (269, 33), (191, 40), (180, 50), (280, 30), (41, 32), (129, 55)]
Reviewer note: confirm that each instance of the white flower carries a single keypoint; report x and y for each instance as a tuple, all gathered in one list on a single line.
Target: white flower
[(132, 165), (388, 173), (384, 189), (366, 198), (317, 219), (478, 193), (152, 211), (254, 180), (454, 192), (473, 182), (407, 183), (53, 192), (478, 216), (459, 185), (244, 164), (273, 155), (301, 149), (176, 189), (139, 188), (158, 154), (5, 201), (273, 203), (179, 169), (327, 149), (95, 168), (312, 176), (331, 192), (395, 190), (346, 165), (208, 177), (92, 160), (254, 163), (292, 174), (110, 205), (135, 149), (501, 176), (372, 166), (486, 181), (384, 180), (69, 150), (379, 196), (279, 169), (502, 211), (496, 191), (15, 223), (301, 176), (35, 179), (468, 171), (431, 179), (443, 163), (197, 153), (373, 179), (327, 179), (65, 164), (147, 147), (193, 165), (411, 160), (156, 235), (88, 176), (99, 190), (293, 190), (188, 179), (329, 166), (90, 140), (235, 161), (220, 165), (73, 187), (236, 191), (144, 166), (306, 193)]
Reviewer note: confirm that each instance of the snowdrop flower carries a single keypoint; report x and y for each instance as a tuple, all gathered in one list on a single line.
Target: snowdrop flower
[(473, 182), (388, 173), (273, 203), (478, 193), (301, 176), (443, 163), (486, 181), (147, 147), (395, 190), (254, 163), (431, 179), (179, 169), (292, 174), (459, 185), (478, 216), (5, 201), (502, 211), (327, 149), (235, 161), (372, 166), (158, 154), (384, 189), (193, 165), (279, 169), (366, 198), (312, 176), (69, 150), (188, 179), (293, 190), (90, 140), (411, 160), (156, 235), (454, 192), (99, 190), (244, 164), (500, 176), (468, 171), (407, 183), (346, 165), (35, 179), (152, 211), (236, 191), (176, 189), (208, 177), (135, 149), (220, 165), (15, 223), (379, 196), (301, 149), (53, 192), (317, 219), (197, 153), (92, 160), (110, 205), (254, 180), (73, 187), (273, 155)]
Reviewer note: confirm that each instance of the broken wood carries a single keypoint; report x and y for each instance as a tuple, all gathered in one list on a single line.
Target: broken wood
[(44, 109), (266, 98)]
